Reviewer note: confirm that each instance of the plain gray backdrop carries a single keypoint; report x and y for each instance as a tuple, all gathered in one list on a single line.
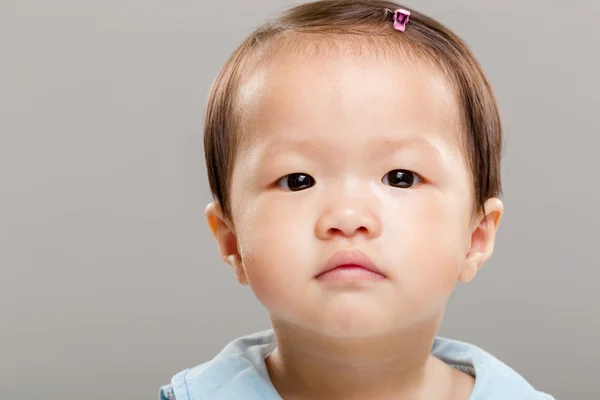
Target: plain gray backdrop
[(110, 280)]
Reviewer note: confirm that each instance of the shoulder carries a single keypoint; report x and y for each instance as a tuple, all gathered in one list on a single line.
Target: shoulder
[(494, 380), (238, 371)]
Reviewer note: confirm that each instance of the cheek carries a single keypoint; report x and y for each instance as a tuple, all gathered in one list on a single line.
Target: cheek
[(274, 246), (429, 235)]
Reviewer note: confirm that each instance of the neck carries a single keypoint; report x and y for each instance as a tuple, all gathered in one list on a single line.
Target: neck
[(308, 365)]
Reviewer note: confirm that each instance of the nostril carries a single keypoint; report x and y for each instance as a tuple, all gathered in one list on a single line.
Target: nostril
[(335, 231), (350, 232), (362, 229)]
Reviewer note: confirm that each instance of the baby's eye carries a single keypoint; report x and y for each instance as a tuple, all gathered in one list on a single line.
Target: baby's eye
[(400, 178), (296, 182)]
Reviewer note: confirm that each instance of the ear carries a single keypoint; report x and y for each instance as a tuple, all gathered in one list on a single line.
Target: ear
[(483, 237), (226, 240)]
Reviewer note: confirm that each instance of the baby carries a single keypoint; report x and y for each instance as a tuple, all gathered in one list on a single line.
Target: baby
[(353, 152)]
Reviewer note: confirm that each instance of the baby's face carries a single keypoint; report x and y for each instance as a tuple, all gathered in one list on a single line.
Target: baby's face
[(351, 154)]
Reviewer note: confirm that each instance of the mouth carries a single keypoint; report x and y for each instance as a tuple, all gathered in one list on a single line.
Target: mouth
[(351, 265)]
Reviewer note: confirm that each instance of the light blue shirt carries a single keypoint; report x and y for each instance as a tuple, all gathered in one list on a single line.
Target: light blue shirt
[(239, 372)]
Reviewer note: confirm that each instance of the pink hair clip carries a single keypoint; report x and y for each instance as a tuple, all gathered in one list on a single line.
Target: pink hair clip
[(401, 17)]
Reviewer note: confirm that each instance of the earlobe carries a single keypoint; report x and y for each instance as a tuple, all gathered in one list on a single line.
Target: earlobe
[(226, 240), (240, 273), (470, 267), (483, 238)]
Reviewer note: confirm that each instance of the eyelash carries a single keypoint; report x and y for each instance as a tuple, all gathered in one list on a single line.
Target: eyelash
[(285, 179), (311, 181)]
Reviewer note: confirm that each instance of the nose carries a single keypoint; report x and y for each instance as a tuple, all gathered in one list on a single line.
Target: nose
[(349, 217)]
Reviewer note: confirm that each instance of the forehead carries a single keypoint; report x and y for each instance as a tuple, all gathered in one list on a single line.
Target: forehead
[(339, 95)]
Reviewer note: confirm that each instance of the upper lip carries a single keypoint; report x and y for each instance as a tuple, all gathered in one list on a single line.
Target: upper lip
[(349, 257)]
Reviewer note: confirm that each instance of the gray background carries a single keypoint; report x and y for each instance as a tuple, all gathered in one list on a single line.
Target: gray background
[(110, 281)]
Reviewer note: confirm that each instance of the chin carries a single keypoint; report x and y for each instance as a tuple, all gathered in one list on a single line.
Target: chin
[(353, 325), (352, 332)]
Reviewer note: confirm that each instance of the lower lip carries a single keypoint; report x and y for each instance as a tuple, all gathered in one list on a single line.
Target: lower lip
[(350, 273)]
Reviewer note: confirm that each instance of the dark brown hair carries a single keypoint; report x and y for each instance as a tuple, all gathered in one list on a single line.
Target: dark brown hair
[(361, 24)]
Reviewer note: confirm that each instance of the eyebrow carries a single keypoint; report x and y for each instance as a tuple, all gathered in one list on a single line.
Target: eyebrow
[(308, 148), (392, 145), (322, 150)]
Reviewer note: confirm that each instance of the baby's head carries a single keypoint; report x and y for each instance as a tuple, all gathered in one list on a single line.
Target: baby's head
[(328, 132)]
